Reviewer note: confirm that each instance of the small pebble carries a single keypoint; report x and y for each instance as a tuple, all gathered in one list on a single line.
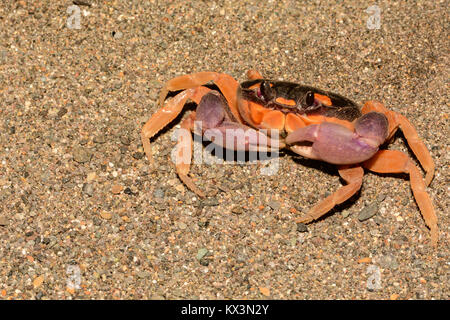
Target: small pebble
[(116, 189), (91, 177), (128, 191), (182, 225), (88, 189), (100, 139), (143, 274), (117, 35), (275, 205), (368, 212), (179, 188), (204, 262), (201, 253), (210, 202), (105, 215), (81, 155), (158, 193), (138, 155), (301, 227), (237, 210), (37, 282), (62, 112), (125, 140), (3, 221)]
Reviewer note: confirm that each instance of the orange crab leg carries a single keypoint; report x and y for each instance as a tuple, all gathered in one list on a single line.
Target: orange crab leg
[(183, 154), (417, 146), (168, 113), (392, 161), (226, 83), (353, 176)]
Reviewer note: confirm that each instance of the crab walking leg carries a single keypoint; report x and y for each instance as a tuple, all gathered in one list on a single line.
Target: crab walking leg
[(397, 120), (183, 154), (353, 176), (166, 114), (226, 83), (392, 161)]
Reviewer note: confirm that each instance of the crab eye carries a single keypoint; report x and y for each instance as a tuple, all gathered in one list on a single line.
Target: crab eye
[(266, 91), (309, 99)]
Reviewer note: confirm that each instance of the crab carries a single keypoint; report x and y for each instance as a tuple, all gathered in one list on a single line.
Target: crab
[(313, 123)]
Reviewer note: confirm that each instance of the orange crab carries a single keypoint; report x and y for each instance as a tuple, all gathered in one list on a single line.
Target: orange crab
[(313, 123)]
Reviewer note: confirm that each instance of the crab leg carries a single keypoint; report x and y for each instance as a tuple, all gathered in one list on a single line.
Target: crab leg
[(227, 85), (392, 161), (418, 147), (166, 114), (353, 176), (183, 154)]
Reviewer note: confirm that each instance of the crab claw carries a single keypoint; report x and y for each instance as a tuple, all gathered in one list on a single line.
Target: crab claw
[(336, 144), (217, 125)]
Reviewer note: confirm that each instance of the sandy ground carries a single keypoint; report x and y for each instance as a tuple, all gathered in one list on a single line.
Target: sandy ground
[(83, 217)]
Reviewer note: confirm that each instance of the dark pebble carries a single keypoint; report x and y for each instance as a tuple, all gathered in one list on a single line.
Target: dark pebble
[(62, 112), (204, 262), (138, 155), (368, 212), (203, 223), (128, 191), (301, 227), (125, 140), (96, 221)]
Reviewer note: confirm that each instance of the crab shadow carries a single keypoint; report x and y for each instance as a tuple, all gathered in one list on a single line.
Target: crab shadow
[(331, 170)]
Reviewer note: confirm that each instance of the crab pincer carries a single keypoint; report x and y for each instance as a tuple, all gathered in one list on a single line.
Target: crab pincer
[(336, 144)]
